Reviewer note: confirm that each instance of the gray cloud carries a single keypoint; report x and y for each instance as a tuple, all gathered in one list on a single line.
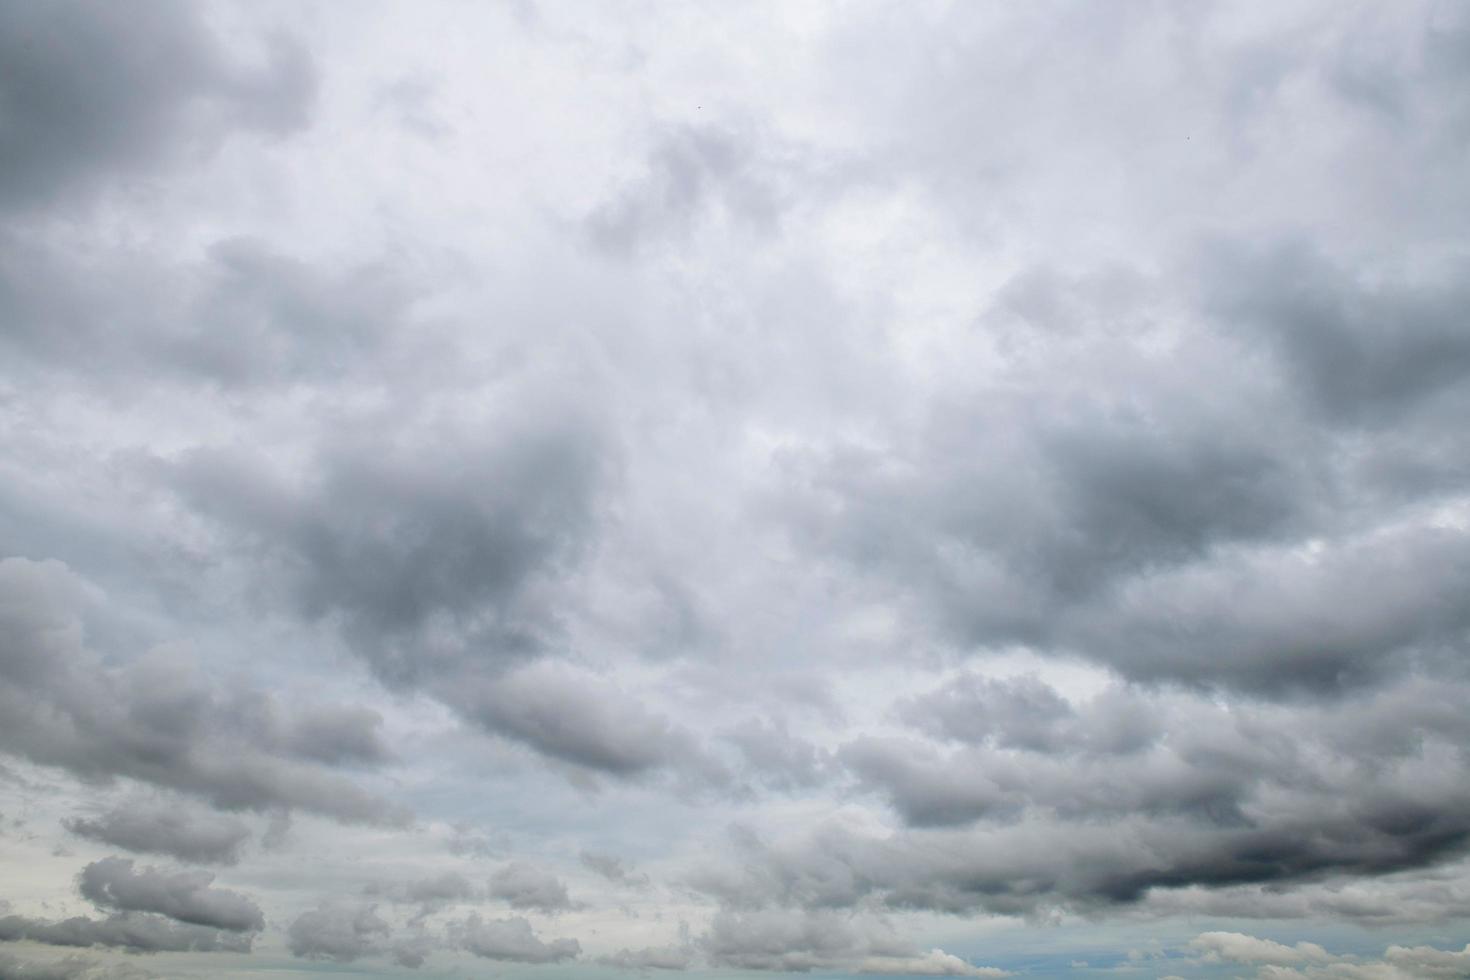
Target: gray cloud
[(575, 717), (150, 720), (1363, 352), (651, 958), (179, 831), (526, 886), (185, 896), (690, 171), (428, 567), (614, 869), (241, 315), (133, 931), (337, 931), (93, 92), (434, 891), (511, 940), (993, 490)]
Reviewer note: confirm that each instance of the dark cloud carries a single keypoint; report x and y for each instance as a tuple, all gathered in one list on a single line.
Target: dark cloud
[(428, 554), (1364, 348), (185, 896), (133, 931), (1131, 505), (342, 932), (511, 940), (155, 827), (153, 720), (526, 886), (92, 92)]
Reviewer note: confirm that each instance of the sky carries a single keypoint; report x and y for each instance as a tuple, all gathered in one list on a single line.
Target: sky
[(613, 489)]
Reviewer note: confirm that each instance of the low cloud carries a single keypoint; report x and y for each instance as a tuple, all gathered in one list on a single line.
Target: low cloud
[(173, 829), (155, 719), (511, 940), (526, 886), (185, 896)]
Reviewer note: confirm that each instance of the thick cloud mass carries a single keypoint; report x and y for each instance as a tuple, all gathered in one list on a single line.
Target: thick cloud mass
[(957, 489), (155, 720), (185, 896), (91, 90)]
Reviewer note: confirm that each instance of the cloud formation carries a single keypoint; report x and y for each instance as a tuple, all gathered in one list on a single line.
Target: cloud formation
[(937, 490)]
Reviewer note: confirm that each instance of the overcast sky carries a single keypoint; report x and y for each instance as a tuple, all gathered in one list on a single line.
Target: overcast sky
[(602, 489)]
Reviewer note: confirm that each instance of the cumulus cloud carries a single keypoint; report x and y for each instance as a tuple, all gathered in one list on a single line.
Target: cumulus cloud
[(511, 940), (1277, 961), (132, 931), (154, 720), (172, 829), (185, 896), (342, 932), (1239, 948)]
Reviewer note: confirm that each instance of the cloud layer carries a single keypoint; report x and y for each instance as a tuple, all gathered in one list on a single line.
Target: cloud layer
[(933, 490)]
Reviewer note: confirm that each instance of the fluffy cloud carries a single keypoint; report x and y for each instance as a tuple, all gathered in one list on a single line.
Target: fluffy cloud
[(1277, 961)]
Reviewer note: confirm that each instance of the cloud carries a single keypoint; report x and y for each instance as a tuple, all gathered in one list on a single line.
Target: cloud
[(511, 940), (934, 963), (337, 931), (1277, 961), (436, 890), (574, 716), (1240, 948), (67, 968), (156, 827), (797, 942), (651, 958), (185, 896), (93, 93), (526, 886), (154, 720), (133, 931), (614, 869)]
